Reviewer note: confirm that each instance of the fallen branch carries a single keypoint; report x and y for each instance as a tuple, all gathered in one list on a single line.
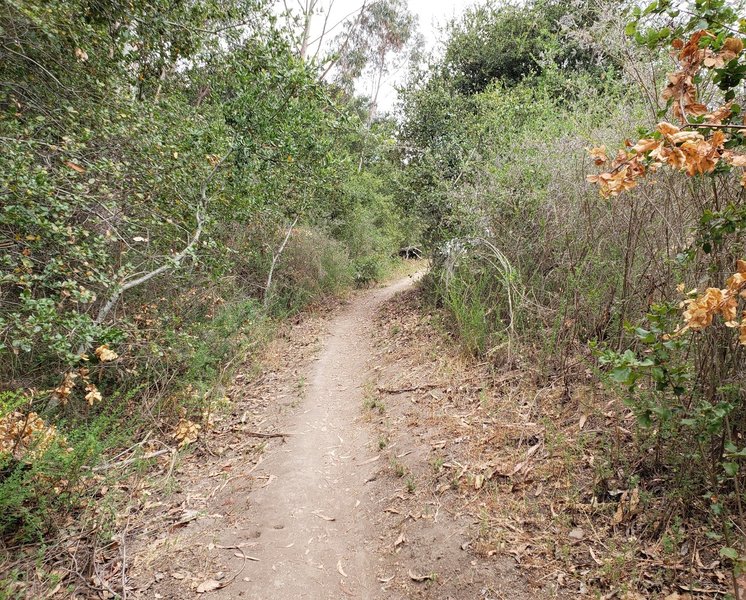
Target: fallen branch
[(265, 435), (129, 461), (427, 386)]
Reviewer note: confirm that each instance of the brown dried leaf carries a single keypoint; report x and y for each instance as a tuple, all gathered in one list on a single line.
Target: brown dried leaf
[(208, 586), (74, 166), (104, 354), (415, 577)]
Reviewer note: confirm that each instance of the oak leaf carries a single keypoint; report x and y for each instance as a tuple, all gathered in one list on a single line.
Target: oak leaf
[(105, 354)]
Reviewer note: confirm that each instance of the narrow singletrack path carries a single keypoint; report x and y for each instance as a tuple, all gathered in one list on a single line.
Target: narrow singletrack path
[(312, 538)]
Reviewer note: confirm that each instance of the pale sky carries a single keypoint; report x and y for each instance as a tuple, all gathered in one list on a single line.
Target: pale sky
[(431, 14)]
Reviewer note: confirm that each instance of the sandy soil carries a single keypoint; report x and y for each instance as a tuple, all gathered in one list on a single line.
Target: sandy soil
[(311, 519)]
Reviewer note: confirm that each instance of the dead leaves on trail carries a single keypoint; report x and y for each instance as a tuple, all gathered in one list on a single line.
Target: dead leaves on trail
[(186, 432), (526, 463), (629, 505)]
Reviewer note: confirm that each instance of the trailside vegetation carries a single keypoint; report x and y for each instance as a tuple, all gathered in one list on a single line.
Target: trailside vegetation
[(174, 176), (509, 137)]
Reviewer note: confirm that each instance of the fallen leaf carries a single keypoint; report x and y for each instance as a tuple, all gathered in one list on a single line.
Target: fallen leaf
[(186, 516), (75, 167), (400, 540), (340, 569), (208, 586), (105, 354), (323, 516), (415, 577), (186, 432), (385, 579)]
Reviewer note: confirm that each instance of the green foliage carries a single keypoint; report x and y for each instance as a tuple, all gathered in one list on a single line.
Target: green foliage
[(662, 367), (495, 138), (34, 492), (153, 154), (469, 298), (313, 267), (506, 43)]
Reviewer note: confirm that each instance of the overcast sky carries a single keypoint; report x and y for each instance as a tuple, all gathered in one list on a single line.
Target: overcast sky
[(431, 14)]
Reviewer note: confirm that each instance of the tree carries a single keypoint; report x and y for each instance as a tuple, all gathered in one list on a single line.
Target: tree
[(695, 366), (505, 42), (372, 45)]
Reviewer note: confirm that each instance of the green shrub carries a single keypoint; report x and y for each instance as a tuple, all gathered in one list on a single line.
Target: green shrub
[(312, 267), (367, 270), (45, 484)]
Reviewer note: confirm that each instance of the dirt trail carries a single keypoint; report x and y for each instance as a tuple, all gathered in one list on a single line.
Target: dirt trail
[(310, 518), (371, 494)]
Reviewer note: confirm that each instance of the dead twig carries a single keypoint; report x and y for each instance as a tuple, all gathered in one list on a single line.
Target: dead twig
[(124, 463), (427, 386), (258, 434)]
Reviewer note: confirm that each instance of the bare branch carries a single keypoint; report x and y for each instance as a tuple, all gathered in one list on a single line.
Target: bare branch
[(346, 42), (173, 262), (47, 71), (320, 38), (275, 258)]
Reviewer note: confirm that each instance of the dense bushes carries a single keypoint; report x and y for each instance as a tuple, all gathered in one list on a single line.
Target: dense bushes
[(313, 266), (153, 157), (573, 283)]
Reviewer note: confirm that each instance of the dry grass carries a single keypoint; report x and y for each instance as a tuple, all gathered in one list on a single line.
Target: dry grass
[(538, 464)]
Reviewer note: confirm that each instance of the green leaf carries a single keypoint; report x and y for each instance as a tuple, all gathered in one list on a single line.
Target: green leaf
[(621, 374), (647, 337), (731, 553), (650, 7), (730, 468)]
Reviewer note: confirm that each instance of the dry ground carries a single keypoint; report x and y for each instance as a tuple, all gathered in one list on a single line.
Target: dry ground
[(405, 470), (316, 513)]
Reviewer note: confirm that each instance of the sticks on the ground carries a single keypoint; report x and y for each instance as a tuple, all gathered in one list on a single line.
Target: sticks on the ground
[(129, 461), (265, 435), (427, 386)]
